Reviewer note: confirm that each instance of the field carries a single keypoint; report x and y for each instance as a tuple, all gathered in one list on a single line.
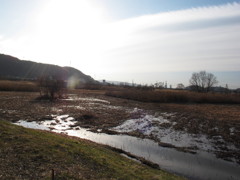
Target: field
[(188, 127)]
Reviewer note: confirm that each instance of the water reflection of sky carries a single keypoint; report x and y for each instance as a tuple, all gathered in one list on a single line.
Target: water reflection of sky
[(202, 165)]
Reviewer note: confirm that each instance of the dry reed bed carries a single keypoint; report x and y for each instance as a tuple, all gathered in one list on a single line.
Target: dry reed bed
[(28, 86), (176, 96)]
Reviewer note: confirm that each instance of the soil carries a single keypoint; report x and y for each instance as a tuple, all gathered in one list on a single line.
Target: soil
[(217, 122)]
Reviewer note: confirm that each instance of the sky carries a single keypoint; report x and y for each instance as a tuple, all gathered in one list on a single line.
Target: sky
[(140, 41)]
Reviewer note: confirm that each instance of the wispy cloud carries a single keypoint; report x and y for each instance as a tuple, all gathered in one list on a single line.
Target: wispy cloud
[(174, 18), (187, 40)]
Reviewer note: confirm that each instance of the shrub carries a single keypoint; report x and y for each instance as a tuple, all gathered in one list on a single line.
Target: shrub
[(51, 88)]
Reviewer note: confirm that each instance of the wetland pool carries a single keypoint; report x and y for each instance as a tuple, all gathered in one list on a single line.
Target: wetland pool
[(202, 165)]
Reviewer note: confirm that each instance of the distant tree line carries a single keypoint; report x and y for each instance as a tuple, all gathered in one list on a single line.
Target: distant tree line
[(201, 81)]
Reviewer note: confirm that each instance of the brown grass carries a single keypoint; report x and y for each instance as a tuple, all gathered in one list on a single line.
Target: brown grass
[(28, 86), (175, 96)]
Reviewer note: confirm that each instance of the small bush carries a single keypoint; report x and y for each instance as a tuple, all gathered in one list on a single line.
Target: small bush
[(51, 88)]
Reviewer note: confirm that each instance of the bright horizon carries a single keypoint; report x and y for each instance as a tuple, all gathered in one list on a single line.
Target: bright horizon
[(140, 41)]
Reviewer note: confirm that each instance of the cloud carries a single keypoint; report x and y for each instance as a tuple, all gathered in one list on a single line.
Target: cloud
[(205, 38), (187, 40), (175, 18)]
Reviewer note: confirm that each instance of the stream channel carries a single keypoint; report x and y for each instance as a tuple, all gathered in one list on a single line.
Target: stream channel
[(202, 165)]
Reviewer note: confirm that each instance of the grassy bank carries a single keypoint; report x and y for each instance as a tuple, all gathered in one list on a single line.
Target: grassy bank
[(175, 96), (32, 154)]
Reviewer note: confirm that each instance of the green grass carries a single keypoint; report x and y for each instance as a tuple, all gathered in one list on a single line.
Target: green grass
[(32, 154)]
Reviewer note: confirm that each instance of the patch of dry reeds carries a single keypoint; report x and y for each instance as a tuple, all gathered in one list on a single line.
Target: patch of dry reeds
[(28, 86), (175, 96)]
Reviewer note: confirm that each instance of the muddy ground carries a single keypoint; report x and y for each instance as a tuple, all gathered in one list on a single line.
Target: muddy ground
[(93, 110)]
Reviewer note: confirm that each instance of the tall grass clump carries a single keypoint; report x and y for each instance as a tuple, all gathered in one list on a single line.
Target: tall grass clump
[(175, 96)]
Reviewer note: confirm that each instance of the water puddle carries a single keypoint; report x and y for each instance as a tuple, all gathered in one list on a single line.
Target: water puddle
[(32, 125), (87, 100), (202, 165), (92, 103)]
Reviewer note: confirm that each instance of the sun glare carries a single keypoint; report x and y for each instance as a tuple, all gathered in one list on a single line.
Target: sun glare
[(71, 30)]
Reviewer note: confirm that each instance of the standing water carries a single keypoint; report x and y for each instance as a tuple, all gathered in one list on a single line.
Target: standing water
[(202, 165)]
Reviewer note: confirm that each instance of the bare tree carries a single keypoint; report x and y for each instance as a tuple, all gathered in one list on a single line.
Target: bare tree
[(211, 81), (203, 81), (195, 81), (180, 86), (159, 85), (51, 87)]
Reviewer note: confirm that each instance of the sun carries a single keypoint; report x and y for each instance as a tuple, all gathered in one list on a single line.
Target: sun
[(71, 31)]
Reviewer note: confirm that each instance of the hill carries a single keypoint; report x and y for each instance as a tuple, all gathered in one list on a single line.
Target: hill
[(14, 68)]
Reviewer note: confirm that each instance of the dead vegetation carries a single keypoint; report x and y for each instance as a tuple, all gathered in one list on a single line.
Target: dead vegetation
[(213, 120), (25, 86), (175, 96)]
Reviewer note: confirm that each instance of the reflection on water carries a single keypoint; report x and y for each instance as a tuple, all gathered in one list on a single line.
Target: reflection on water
[(202, 165), (32, 125)]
